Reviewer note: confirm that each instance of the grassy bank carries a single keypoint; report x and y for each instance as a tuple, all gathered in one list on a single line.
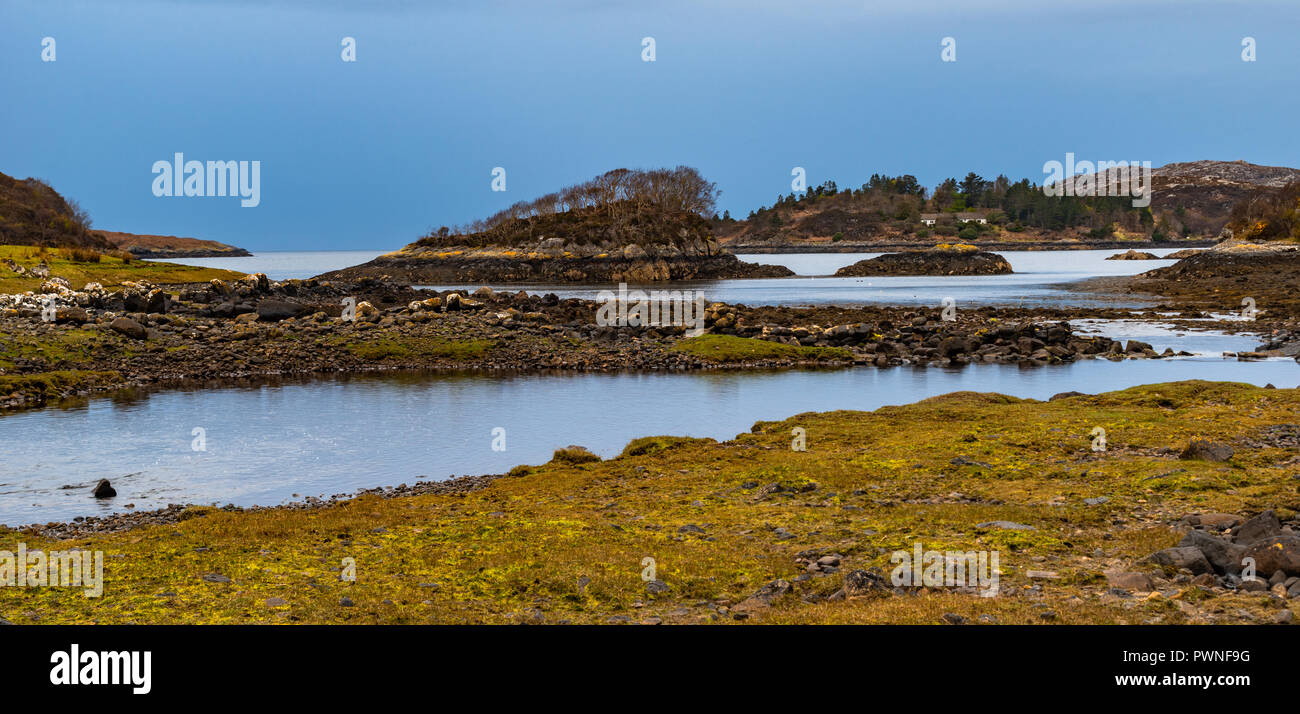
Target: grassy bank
[(81, 266), (565, 542)]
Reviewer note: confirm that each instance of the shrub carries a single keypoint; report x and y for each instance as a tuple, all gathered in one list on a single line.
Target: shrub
[(572, 454)]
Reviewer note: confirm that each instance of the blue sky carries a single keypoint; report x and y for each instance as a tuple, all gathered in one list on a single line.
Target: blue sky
[(371, 154)]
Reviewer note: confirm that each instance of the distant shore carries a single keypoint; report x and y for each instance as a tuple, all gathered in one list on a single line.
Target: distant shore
[(847, 247)]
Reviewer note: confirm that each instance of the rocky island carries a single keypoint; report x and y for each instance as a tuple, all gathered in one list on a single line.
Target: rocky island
[(623, 226), (943, 259)]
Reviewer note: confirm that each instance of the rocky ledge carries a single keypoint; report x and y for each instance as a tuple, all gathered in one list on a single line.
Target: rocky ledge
[(941, 260)]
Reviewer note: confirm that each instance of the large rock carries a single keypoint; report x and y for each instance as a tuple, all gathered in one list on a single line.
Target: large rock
[(1225, 556), (1183, 557), (1265, 525), (1274, 554), (129, 327), (276, 310), (1202, 449)]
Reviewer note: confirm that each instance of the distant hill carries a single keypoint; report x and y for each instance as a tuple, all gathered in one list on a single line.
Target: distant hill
[(32, 213), (149, 246), (1198, 196), (1190, 200)]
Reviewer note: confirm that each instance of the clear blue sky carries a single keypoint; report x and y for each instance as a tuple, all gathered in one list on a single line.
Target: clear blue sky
[(371, 154)]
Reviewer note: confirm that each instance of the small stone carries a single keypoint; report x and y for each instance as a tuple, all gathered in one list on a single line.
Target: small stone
[(346, 601), (276, 602), (1008, 525), (1284, 617), (1139, 582), (104, 489), (216, 578), (953, 618), (657, 587)]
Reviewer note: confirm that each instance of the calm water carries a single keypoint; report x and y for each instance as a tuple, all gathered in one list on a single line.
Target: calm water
[(274, 443), (287, 264), (1037, 282), (318, 438)]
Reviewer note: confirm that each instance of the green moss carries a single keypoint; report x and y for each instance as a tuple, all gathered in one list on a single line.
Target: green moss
[(46, 385), (573, 455), (568, 539), (650, 445), (728, 348), (407, 348), (109, 271)]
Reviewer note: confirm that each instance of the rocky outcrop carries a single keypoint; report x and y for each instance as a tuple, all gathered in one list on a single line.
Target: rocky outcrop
[(943, 260), (1250, 554), (162, 247), (489, 268), (1134, 255)]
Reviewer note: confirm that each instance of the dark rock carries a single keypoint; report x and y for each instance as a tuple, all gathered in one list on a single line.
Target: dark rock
[(656, 587), (1223, 555), (859, 583), (1274, 554), (1265, 525), (104, 489), (1205, 450), (129, 327), (276, 310), (1180, 558), (764, 596)]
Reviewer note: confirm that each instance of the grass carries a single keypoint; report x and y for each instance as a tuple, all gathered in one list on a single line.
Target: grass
[(565, 542), (78, 268), (47, 385), (729, 349), (412, 347)]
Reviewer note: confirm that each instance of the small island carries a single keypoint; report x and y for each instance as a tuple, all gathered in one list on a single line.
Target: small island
[(622, 226), (943, 259)]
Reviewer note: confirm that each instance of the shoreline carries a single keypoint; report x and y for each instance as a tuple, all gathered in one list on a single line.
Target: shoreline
[(831, 516)]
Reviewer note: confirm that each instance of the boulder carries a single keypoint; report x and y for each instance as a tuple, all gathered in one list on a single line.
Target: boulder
[(276, 310), (104, 489), (1223, 555), (1265, 525), (1202, 449), (129, 327), (1182, 557), (1137, 582), (1274, 554)]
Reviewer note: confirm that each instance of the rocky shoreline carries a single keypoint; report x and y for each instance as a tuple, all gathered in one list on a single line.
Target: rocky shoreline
[(144, 335)]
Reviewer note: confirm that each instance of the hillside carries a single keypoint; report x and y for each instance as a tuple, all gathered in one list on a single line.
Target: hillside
[(32, 213), (151, 246), (1191, 201)]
